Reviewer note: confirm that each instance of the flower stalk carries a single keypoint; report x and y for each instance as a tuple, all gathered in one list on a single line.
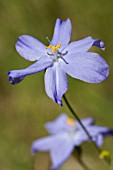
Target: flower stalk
[(77, 156), (81, 124)]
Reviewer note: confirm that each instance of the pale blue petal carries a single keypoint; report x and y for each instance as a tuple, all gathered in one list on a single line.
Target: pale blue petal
[(65, 33), (60, 147), (61, 152), (84, 45), (62, 33), (58, 125), (95, 130), (30, 48), (15, 76), (55, 83), (99, 140), (87, 66), (43, 144), (79, 137), (108, 133), (97, 133), (56, 33), (86, 122), (50, 83), (61, 82)]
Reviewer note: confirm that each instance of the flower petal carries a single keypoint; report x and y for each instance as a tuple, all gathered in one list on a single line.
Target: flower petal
[(50, 81), (65, 33), (86, 122), (87, 66), (79, 137), (61, 152), (16, 76), (97, 133), (58, 125), (55, 83), (99, 140), (108, 133), (62, 33), (30, 48), (61, 83), (84, 45), (99, 43), (94, 130), (43, 144), (54, 40)]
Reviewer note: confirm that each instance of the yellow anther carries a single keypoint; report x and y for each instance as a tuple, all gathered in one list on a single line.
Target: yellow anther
[(50, 46), (104, 154), (58, 46), (70, 122), (54, 48)]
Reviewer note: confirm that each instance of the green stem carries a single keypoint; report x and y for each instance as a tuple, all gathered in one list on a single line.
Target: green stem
[(80, 161), (77, 153)]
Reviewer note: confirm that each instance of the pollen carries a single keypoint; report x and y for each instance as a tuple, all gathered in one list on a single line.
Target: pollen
[(54, 48), (104, 154), (70, 122)]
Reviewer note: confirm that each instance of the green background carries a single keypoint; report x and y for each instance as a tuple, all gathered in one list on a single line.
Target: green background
[(25, 108)]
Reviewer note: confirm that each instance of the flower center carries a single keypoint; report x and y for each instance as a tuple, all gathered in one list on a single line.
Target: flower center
[(71, 127), (70, 122), (54, 48), (56, 53)]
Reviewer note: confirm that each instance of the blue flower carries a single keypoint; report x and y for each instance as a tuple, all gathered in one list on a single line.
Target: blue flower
[(59, 58), (66, 134)]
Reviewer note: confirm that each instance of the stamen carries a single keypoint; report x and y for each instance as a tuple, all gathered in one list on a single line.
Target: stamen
[(48, 39), (50, 54), (54, 48), (63, 60), (62, 53), (65, 53), (58, 46), (70, 122)]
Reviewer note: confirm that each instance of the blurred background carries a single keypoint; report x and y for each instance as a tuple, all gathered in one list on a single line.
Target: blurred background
[(25, 108)]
